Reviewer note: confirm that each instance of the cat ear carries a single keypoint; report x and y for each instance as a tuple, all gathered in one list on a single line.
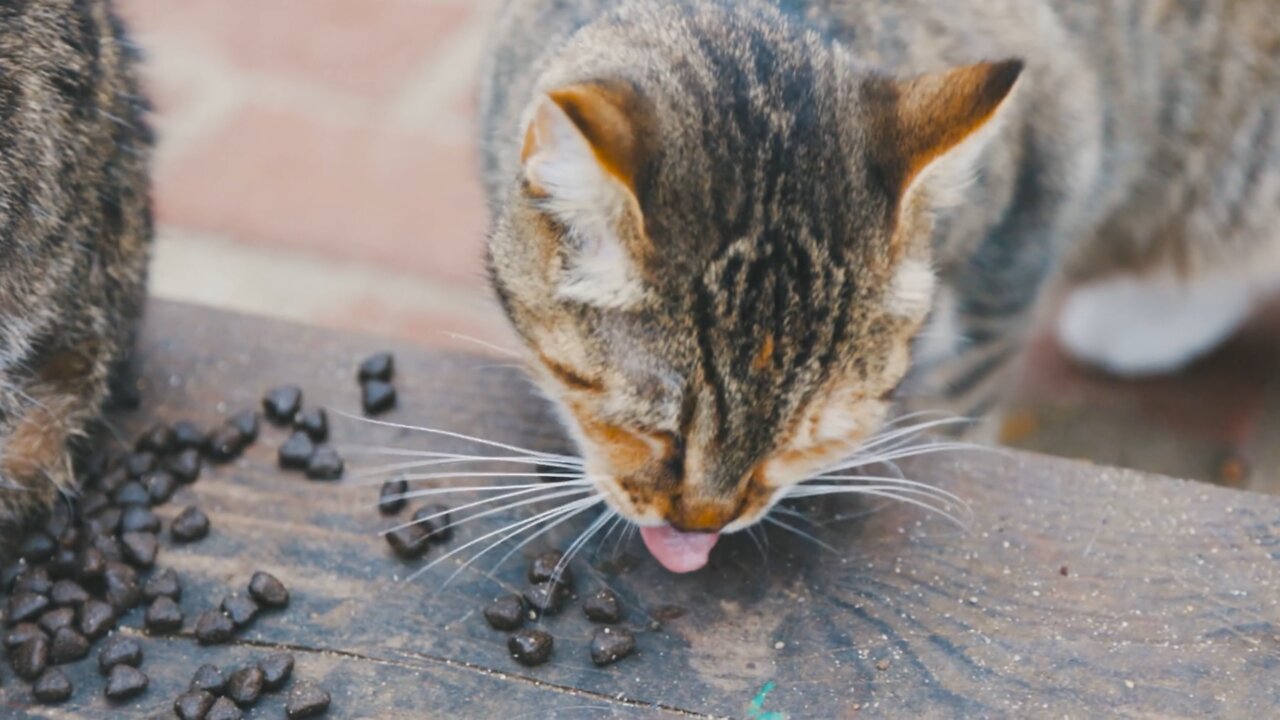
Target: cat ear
[(580, 159), (940, 123)]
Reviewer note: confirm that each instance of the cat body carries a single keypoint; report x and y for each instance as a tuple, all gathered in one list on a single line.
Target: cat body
[(732, 232), (75, 227)]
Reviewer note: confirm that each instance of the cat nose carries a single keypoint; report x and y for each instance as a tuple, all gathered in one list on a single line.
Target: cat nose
[(700, 516)]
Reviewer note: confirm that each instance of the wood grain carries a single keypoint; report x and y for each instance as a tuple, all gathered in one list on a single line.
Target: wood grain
[(1170, 605)]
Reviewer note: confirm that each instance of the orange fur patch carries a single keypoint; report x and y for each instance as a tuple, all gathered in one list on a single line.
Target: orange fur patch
[(36, 446), (765, 355), (603, 113), (937, 112)]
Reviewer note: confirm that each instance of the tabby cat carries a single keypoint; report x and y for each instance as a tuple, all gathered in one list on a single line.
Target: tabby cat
[(732, 233), (75, 226)]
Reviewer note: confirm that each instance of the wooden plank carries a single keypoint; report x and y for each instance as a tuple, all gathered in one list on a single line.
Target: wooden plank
[(1170, 605)]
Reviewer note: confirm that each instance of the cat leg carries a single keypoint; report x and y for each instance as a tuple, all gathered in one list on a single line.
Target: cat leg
[(42, 418), (1134, 325)]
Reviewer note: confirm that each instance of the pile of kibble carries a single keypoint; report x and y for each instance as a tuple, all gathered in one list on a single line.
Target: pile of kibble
[(94, 560), (546, 596)]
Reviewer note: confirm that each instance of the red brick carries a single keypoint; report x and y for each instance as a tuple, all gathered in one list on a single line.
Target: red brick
[(392, 198), (365, 47)]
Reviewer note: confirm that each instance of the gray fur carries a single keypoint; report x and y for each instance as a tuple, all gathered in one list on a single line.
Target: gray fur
[(75, 225), (1142, 133)]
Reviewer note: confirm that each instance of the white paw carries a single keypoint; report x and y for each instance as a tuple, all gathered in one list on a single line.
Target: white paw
[(1152, 324)]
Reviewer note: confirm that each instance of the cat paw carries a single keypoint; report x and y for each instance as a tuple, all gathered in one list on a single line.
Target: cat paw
[(1134, 326)]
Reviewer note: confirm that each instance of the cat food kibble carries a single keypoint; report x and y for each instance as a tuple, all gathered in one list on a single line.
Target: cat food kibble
[(26, 606), (35, 580), (244, 686), (56, 619), (240, 609), (139, 519), (31, 657), (189, 436), (379, 366), (611, 644), (68, 593), (246, 423), (160, 486), (132, 493), (409, 542), (296, 452), (36, 547), (545, 598), (390, 499), (306, 700), (602, 606), (193, 705), (123, 591), (140, 548), (163, 582), (377, 397), (190, 525), (67, 646), (314, 422), (140, 463), (226, 443), (213, 627), (20, 634), (276, 669), (119, 650), (530, 647), (282, 403), (268, 590), (434, 519), (52, 687), (158, 439), (163, 615), (505, 613), (96, 618), (325, 464), (185, 466), (208, 677), (125, 681), (224, 709), (545, 566)]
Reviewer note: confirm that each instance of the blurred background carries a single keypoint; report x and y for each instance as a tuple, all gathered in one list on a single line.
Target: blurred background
[(317, 163)]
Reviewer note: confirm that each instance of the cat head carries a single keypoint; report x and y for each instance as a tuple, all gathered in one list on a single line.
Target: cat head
[(717, 254)]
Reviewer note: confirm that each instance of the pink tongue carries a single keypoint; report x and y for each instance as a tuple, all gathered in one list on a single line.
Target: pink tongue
[(679, 552)]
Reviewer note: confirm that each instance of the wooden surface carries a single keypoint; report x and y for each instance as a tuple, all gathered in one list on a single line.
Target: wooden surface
[(1170, 606)]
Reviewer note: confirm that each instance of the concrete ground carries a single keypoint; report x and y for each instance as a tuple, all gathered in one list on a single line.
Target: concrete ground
[(317, 163)]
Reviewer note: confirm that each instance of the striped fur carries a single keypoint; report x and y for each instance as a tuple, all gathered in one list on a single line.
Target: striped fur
[(75, 225), (798, 183)]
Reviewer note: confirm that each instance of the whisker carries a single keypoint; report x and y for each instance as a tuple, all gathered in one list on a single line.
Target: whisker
[(617, 523), (350, 450), (484, 344), (510, 527), (906, 452), (562, 514), (510, 506), (577, 544), (896, 481), (886, 493), (505, 538), (450, 434), (799, 532), (421, 477), (926, 492), (751, 533), (382, 470), (623, 541), (414, 494)]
